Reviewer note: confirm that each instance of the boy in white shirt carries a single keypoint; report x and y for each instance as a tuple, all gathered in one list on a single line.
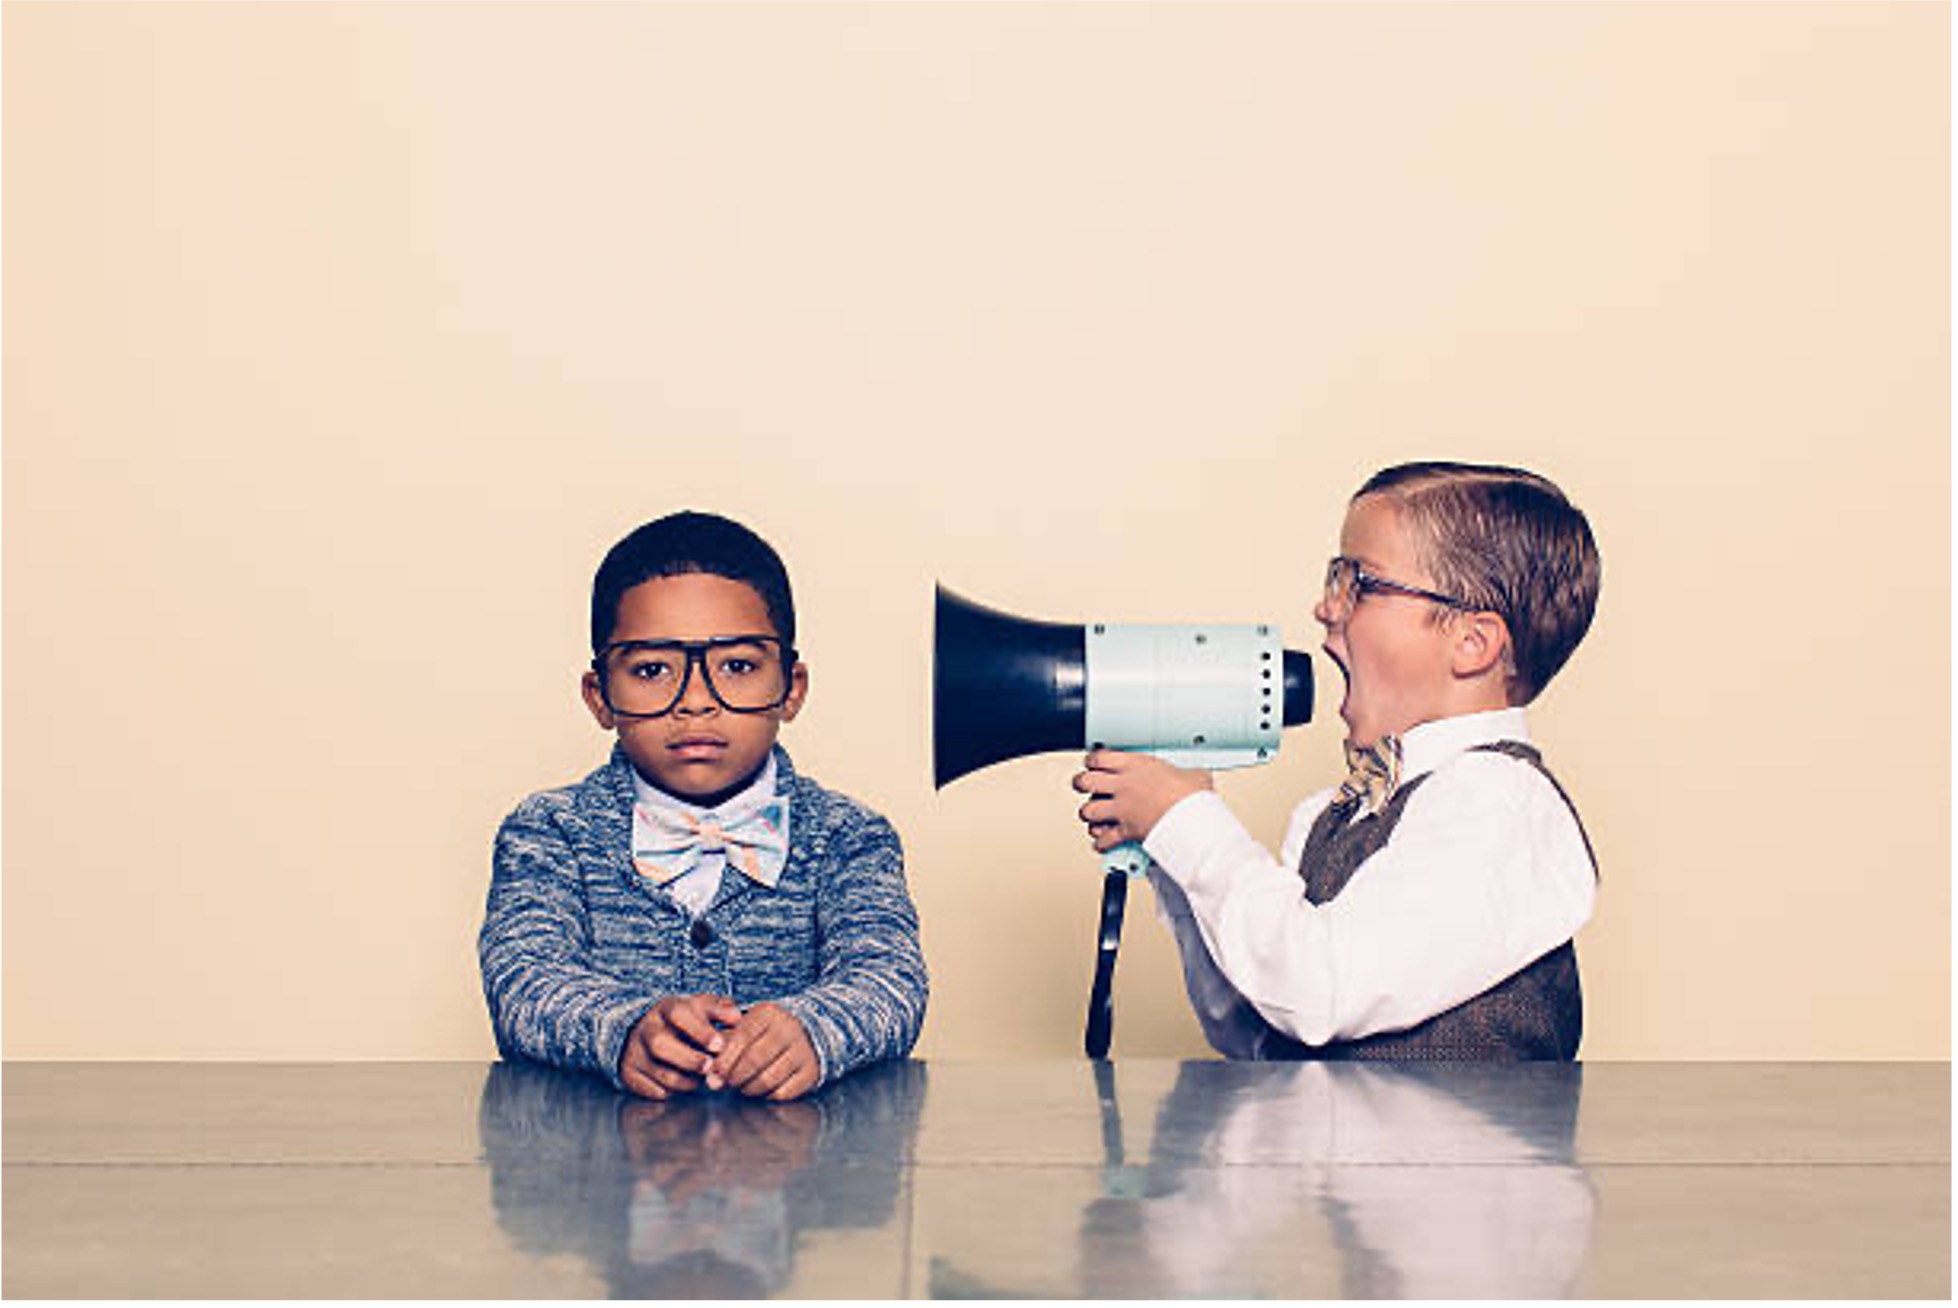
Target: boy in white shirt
[(1426, 907)]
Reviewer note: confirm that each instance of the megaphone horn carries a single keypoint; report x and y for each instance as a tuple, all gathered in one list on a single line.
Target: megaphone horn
[(1002, 687)]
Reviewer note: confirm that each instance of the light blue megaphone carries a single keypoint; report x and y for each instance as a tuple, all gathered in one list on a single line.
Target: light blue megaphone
[(1198, 695)]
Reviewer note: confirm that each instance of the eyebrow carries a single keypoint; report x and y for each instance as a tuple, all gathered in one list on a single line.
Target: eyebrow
[(678, 642)]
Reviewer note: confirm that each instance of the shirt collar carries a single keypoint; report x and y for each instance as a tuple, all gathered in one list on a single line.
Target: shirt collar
[(763, 785), (1428, 746)]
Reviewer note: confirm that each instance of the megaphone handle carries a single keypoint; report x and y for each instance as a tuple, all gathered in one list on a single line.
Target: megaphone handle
[(1101, 999)]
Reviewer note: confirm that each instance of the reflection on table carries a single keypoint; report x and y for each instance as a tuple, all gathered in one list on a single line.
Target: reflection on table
[(1050, 1178), (701, 1196), (1430, 1181)]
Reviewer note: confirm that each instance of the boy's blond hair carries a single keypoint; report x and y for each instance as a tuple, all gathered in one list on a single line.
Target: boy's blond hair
[(1507, 541)]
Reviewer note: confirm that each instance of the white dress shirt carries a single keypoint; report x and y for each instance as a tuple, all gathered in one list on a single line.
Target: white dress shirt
[(1485, 872)]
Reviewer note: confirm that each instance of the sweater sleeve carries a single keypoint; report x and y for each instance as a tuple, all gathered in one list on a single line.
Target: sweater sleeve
[(547, 1000), (868, 1002)]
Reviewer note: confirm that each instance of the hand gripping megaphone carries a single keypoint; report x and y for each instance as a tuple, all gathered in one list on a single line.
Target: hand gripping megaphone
[(1197, 695)]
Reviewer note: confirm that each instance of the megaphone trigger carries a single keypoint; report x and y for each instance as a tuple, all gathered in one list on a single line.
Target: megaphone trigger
[(1127, 858)]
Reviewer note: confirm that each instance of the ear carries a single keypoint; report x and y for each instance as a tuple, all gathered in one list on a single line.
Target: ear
[(798, 691), (1480, 645), (596, 702)]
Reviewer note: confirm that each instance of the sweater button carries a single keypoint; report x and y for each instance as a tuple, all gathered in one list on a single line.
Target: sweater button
[(702, 935)]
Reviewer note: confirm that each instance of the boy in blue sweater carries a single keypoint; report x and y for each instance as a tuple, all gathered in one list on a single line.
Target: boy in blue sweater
[(695, 912)]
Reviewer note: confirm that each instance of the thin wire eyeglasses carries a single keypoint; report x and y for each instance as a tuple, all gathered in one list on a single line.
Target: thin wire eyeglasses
[(649, 678)]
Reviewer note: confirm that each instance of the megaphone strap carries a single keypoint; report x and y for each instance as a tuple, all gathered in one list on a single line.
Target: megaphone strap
[(1101, 998)]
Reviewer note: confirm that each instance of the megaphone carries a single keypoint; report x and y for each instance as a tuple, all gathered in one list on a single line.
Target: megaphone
[(1197, 695)]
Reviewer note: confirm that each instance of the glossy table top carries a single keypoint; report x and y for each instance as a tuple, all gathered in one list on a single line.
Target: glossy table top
[(978, 1179)]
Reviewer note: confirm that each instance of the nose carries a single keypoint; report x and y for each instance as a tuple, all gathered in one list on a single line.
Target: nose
[(695, 698), (1323, 611)]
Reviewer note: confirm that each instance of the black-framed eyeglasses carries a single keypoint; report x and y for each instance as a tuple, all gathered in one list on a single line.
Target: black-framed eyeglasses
[(648, 678), (1347, 580)]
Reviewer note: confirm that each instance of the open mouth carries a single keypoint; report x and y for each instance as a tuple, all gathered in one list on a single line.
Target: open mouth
[(1345, 675)]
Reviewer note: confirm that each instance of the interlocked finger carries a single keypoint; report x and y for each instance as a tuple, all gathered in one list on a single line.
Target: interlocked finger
[(636, 1074), (767, 1044), (669, 1050), (800, 1083), (772, 1077)]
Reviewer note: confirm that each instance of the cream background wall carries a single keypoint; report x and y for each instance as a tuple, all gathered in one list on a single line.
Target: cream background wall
[(341, 340)]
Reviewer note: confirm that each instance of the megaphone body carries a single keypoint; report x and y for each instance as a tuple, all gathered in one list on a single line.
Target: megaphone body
[(1205, 697), (1197, 695)]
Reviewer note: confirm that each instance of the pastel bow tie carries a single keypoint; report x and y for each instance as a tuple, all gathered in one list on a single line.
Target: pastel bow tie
[(668, 843), (1372, 773)]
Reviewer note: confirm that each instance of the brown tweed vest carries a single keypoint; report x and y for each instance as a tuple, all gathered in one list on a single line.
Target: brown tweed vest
[(1536, 1014)]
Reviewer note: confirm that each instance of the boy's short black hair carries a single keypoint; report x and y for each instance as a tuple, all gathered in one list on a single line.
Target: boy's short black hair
[(1507, 541), (691, 542)]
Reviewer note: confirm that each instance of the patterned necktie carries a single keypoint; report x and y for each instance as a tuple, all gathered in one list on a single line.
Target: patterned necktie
[(668, 843), (1372, 773)]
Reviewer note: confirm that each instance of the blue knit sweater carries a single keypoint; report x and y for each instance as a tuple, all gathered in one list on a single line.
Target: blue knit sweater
[(576, 945)]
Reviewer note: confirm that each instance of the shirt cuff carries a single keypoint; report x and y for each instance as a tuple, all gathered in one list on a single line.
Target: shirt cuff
[(1199, 838)]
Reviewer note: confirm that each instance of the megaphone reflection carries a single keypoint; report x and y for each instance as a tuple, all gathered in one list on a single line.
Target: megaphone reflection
[(1198, 695)]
